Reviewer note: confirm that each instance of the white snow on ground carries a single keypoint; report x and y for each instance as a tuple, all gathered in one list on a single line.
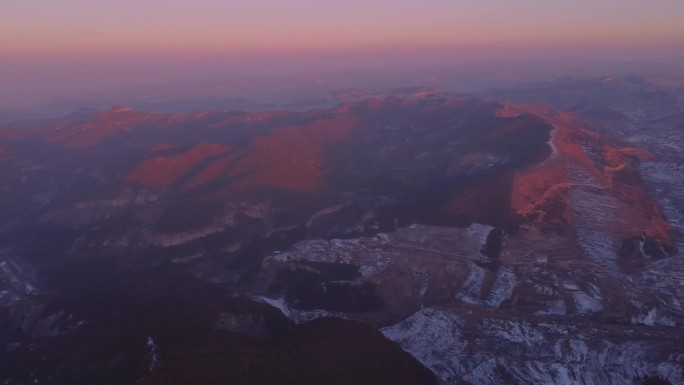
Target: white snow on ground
[(649, 318), (295, 315), (278, 303), (379, 265), (478, 231), (586, 304), (153, 353), (552, 142), (433, 338), (503, 287), (472, 286), (452, 347)]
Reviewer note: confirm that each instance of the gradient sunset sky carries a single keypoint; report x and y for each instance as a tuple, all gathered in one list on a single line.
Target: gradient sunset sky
[(53, 47), (258, 26)]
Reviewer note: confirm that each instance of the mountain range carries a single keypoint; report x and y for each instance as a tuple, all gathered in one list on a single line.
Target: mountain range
[(419, 238)]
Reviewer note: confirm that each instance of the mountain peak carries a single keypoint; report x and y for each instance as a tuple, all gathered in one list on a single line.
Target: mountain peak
[(119, 108), (83, 113)]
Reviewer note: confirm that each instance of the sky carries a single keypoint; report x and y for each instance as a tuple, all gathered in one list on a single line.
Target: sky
[(259, 26), (55, 41)]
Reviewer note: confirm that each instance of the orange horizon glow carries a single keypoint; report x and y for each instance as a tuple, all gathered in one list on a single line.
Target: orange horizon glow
[(190, 45), (52, 48)]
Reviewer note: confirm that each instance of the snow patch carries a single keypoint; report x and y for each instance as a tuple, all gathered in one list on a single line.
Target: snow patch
[(586, 304), (379, 265), (501, 352), (295, 315), (472, 286), (480, 232), (648, 319), (278, 303), (503, 287), (154, 355), (434, 338)]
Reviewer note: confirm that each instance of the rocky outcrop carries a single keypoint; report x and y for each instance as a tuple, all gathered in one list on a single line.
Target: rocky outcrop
[(540, 311)]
